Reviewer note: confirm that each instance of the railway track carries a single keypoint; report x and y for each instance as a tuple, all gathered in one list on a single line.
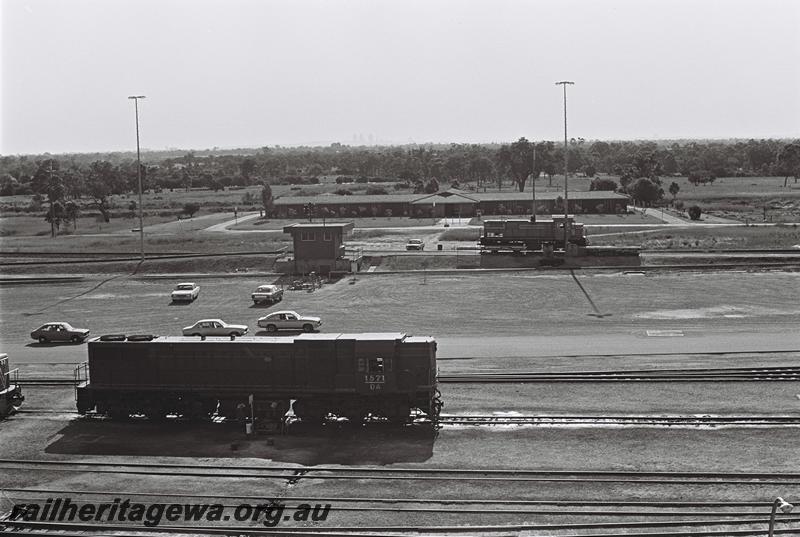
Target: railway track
[(59, 528), (427, 515), (296, 473), (740, 374), (506, 419), (622, 420)]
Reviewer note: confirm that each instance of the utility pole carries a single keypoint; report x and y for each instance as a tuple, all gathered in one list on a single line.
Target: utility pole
[(139, 172), (565, 83), (533, 185)]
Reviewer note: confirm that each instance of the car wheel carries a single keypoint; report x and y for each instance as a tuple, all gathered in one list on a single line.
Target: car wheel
[(308, 328), (271, 328), (42, 339), (197, 335), (75, 339)]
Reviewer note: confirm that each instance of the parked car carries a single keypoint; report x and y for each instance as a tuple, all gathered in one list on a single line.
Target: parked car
[(415, 244), (267, 294), (185, 292), (215, 327), (59, 332), (289, 320)]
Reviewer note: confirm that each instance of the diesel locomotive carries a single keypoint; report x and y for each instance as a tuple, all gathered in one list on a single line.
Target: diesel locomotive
[(348, 375), (10, 392), (520, 235)]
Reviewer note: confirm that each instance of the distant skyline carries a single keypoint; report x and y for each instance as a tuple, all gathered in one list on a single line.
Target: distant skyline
[(252, 73)]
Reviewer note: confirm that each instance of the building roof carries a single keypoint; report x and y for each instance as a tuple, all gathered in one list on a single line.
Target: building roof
[(305, 226), (451, 196), (355, 199), (446, 198), (526, 196)]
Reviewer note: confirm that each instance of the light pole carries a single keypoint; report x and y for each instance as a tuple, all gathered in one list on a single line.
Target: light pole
[(533, 185), (564, 84), (139, 172), (785, 508)]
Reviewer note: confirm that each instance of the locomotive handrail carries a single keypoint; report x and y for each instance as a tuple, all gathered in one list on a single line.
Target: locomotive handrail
[(10, 379), (80, 375)]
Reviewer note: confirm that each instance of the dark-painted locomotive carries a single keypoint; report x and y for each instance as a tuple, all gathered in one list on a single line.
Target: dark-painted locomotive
[(519, 235), (10, 392), (348, 375)]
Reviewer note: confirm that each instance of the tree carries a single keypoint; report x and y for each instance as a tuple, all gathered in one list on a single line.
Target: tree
[(266, 200), (48, 181), (103, 180), (589, 170), (190, 209), (674, 188), (246, 167), (55, 215), (603, 184), (432, 186), (645, 191), (694, 212), (788, 163), (71, 212), (701, 177), (517, 161)]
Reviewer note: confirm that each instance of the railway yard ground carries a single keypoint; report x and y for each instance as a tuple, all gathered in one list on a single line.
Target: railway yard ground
[(528, 443)]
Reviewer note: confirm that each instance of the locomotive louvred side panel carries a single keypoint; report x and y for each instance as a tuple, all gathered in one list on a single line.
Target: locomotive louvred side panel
[(345, 380), (315, 363)]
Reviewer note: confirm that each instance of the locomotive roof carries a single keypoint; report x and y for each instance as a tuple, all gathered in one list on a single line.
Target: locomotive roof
[(370, 336)]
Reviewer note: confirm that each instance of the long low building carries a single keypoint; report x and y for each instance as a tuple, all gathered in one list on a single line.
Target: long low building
[(450, 203)]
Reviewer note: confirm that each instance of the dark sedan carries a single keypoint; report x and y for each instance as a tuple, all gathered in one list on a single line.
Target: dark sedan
[(52, 332)]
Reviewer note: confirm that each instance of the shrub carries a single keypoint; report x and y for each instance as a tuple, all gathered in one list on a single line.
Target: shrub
[(376, 191), (343, 192), (694, 212)]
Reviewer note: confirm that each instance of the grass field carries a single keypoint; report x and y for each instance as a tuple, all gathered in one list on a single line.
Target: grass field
[(777, 237)]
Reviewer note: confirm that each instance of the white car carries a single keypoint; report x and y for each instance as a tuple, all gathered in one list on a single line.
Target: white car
[(185, 292), (267, 294), (289, 320), (415, 244), (215, 327)]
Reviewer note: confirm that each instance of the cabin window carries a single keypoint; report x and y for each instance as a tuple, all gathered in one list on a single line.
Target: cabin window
[(306, 235), (327, 236)]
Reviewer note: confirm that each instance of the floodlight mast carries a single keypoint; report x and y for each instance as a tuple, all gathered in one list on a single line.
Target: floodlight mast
[(564, 84), (139, 172)]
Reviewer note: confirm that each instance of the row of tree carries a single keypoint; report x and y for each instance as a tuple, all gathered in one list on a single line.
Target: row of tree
[(640, 167)]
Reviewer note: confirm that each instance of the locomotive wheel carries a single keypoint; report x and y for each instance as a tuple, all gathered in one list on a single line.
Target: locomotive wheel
[(155, 412)]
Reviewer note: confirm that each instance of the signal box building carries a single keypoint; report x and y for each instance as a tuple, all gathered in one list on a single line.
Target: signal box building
[(320, 247)]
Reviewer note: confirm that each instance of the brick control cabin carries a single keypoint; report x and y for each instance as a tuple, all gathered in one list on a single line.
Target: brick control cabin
[(319, 247)]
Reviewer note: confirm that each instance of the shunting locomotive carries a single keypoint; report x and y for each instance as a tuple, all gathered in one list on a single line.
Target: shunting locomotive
[(520, 235), (348, 375)]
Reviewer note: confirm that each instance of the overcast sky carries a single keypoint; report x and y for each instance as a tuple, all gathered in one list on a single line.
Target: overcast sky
[(254, 73)]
